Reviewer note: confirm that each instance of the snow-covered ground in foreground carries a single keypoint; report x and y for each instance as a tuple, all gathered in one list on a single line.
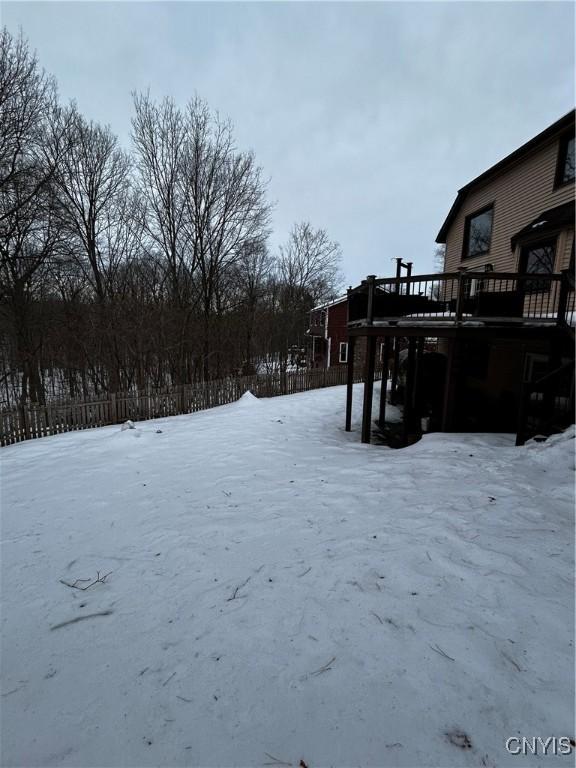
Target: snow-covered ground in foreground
[(281, 592)]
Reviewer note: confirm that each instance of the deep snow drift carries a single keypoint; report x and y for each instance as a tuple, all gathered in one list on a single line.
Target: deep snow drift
[(279, 592)]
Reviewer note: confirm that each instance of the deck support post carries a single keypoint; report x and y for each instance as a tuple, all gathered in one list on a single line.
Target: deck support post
[(384, 383), (449, 388), (350, 382), (368, 387), (409, 389), (549, 400), (418, 377)]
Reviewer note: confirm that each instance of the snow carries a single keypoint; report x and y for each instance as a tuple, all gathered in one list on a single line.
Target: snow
[(267, 588)]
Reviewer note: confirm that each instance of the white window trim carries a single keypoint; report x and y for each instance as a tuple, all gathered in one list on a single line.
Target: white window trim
[(343, 347)]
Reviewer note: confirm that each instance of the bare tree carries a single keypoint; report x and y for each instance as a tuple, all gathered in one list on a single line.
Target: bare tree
[(92, 179), (250, 280), (439, 257), (28, 231), (308, 274), (309, 265), (159, 135), (226, 212)]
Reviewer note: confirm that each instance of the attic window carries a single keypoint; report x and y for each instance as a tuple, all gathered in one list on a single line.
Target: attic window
[(478, 233), (565, 170)]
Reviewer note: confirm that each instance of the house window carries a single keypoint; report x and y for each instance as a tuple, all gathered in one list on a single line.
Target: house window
[(565, 169), (343, 357), (538, 259), (478, 233)]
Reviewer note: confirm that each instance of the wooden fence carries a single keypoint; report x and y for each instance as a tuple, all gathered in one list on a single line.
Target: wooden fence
[(29, 421)]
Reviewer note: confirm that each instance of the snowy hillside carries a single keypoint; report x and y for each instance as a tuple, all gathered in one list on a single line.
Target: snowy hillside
[(271, 591)]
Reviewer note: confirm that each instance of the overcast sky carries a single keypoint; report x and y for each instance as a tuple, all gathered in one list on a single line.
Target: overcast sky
[(366, 117)]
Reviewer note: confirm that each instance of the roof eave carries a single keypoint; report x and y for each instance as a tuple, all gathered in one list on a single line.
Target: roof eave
[(547, 134)]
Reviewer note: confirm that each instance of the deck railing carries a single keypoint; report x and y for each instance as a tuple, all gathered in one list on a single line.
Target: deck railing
[(464, 298)]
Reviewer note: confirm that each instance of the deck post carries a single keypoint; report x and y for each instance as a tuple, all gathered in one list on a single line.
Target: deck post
[(449, 387), (350, 382), (409, 389), (368, 387), (384, 383), (396, 341)]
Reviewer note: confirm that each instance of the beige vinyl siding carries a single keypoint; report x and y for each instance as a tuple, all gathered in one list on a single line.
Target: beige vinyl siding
[(520, 194)]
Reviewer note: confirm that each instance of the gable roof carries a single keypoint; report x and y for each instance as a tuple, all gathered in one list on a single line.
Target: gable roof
[(329, 304), (561, 125)]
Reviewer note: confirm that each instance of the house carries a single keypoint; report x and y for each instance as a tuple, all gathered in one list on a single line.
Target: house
[(328, 337), (517, 216), (503, 309), (328, 334)]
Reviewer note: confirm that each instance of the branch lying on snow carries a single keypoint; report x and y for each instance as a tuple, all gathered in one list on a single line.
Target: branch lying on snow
[(167, 681), (81, 618), (325, 668), (234, 594), (511, 660), (98, 580), (237, 589), (275, 760), (441, 652)]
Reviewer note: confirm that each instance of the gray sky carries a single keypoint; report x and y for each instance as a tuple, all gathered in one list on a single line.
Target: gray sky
[(366, 117)]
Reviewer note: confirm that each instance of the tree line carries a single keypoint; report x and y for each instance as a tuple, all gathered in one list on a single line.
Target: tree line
[(142, 268)]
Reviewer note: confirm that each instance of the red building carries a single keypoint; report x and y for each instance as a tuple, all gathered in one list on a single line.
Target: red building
[(328, 333), (328, 336)]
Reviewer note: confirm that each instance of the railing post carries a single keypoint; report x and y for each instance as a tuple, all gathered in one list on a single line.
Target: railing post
[(408, 274), (371, 282), (563, 299), (460, 296)]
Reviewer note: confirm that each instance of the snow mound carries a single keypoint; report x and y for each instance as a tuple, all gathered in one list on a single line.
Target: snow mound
[(248, 400), (127, 425), (557, 452)]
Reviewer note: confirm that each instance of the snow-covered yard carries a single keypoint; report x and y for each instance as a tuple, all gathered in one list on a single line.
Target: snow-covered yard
[(280, 592)]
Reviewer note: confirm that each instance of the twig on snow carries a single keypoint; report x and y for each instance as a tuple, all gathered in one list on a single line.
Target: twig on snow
[(305, 572), (275, 760), (237, 589), (183, 698), (378, 617), (9, 693), (81, 618), (441, 652), (168, 680), (325, 668), (511, 660), (98, 580)]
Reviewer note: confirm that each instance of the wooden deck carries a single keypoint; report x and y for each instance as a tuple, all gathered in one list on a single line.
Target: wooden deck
[(458, 306)]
